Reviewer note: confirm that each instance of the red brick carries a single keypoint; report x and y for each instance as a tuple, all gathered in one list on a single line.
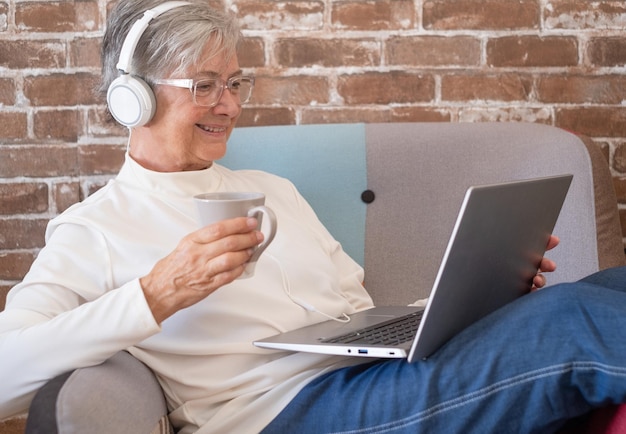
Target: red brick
[(15, 265), (57, 125), (593, 121), (7, 91), (4, 17), (59, 16), (344, 114), (61, 89), (580, 89), (481, 14), (32, 54), (619, 164), (94, 185), (373, 15), (23, 198), (386, 88), (102, 124), (487, 113), (100, 159), (283, 15), (300, 90), (373, 114), (22, 233), (303, 52), (37, 161), (13, 125), (469, 54), (472, 87), (606, 151), (8, 426), (251, 52), (257, 116), (607, 51), (85, 52), (217, 4), (433, 51), (569, 14), (532, 51), (420, 114), (65, 195)]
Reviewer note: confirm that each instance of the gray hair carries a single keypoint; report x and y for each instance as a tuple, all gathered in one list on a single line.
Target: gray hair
[(173, 42)]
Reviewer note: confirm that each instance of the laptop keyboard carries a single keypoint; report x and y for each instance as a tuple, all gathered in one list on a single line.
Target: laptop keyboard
[(392, 332)]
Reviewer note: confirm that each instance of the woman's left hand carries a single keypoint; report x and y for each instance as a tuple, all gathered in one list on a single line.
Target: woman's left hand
[(546, 265)]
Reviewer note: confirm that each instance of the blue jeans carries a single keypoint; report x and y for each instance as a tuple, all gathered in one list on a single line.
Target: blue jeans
[(550, 356)]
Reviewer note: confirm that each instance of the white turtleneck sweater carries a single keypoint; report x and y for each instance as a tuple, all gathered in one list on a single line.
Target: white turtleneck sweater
[(81, 302)]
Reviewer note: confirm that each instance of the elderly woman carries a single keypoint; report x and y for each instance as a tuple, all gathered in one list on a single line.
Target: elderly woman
[(130, 268)]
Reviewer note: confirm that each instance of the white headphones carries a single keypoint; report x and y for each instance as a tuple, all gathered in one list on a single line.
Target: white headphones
[(130, 99)]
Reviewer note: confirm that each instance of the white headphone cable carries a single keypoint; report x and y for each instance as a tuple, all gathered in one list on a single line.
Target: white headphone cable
[(344, 318)]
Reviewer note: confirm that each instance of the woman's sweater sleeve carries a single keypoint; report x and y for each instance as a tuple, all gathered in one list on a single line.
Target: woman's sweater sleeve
[(64, 316)]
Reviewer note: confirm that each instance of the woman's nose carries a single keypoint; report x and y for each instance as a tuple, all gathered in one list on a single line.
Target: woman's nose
[(228, 104)]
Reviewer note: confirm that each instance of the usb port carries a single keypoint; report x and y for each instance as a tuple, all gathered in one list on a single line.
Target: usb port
[(362, 351)]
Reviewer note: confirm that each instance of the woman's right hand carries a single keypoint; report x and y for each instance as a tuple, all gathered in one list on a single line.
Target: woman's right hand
[(203, 261)]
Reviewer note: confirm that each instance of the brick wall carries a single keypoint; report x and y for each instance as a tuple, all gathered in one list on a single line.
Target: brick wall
[(559, 62)]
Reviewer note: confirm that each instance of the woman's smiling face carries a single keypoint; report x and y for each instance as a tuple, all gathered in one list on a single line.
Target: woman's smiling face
[(185, 136)]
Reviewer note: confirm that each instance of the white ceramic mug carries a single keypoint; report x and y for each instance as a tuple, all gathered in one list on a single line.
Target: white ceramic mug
[(214, 207)]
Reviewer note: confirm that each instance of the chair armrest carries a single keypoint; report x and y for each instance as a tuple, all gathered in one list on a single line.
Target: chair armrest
[(608, 227), (13, 425), (121, 395)]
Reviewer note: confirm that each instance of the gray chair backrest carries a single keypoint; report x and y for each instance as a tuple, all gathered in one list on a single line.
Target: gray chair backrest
[(420, 172)]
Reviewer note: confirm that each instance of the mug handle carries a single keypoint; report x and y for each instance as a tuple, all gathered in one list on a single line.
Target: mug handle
[(269, 215)]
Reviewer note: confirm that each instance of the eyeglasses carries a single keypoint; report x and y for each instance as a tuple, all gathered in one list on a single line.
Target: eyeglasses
[(208, 91)]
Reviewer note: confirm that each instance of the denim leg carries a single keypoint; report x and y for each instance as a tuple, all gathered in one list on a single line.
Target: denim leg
[(613, 278), (548, 357)]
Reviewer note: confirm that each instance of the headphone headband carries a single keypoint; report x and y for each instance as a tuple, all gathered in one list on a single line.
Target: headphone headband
[(140, 26)]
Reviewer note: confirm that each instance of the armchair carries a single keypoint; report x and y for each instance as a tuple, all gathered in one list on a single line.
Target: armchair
[(370, 183)]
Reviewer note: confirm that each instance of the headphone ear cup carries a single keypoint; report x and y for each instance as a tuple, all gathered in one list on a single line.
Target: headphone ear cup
[(131, 101)]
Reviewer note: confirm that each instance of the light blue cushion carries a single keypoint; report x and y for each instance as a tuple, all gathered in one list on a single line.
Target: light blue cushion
[(327, 165)]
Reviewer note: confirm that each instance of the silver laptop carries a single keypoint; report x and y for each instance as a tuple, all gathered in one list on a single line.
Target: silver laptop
[(498, 240)]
